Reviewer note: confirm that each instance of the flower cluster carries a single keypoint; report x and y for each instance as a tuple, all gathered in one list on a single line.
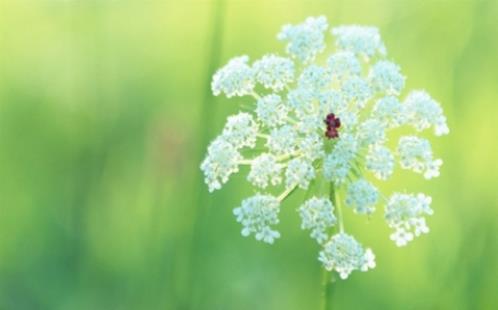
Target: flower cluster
[(317, 214), (344, 254), (405, 213), (329, 122)]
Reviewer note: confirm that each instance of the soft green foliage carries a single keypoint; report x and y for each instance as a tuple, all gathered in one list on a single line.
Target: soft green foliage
[(106, 111)]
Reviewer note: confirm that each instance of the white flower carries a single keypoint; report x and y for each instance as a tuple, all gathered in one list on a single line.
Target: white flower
[(235, 79), (265, 169), (305, 40), (257, 214), (386, 78), (312, 147), (271, 111), (416, 154), (423, 112), (369, 260), (308, 125), (299, 172), (405, 214), (282, 140), (331, 101), (319, 127), (349, 120), (222, 160), (389, 111), (337, 164), (344, 254), (241, 130), (432, 169), (361, 40), (302, 101), (380, 161), (317, 215), (358, 90), (314, 78), (274, 72), (362, 197), (371, 131), (343, 64)]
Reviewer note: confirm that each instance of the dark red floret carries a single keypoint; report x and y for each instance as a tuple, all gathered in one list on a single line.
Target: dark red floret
[(333, 123)]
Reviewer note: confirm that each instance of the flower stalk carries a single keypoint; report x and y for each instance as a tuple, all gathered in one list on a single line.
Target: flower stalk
[(327, 284)]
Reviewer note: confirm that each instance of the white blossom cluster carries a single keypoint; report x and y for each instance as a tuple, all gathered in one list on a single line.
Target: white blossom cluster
[(362, 197), (317, 214), (405, 214), (344, 254), (325, 122), (256, 214)]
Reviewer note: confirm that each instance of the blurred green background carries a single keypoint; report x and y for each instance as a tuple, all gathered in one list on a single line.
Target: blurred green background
[(105, 114)]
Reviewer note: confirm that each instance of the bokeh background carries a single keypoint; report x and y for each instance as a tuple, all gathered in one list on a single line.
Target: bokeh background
[(105, 114)]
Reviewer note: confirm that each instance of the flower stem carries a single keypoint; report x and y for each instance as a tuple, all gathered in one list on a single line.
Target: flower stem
[(247, 162), (255, 95), (328, 289), (326, 275), (263, 136), (340, 218), (286, 193)]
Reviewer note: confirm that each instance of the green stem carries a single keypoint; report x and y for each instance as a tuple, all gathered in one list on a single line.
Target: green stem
[(255, 95), (340, 218), (328, 287), (286, 193)]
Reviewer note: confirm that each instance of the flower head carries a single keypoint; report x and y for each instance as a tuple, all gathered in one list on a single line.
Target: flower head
[(338, 163), (386, 78), (361, 40), (305, 40), (265, 170), (235, 79), (257, 214), (380, 161), (357, 90), (314, 78), (317, 214), (222, 160), (344, 254), (323, 125), (274, 72), (271, 110), (283, 140), (362, 197), (405, 214), (423, 112), (343, 65), (241, 130), (389, 111), (416, 154), (299, 172)]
